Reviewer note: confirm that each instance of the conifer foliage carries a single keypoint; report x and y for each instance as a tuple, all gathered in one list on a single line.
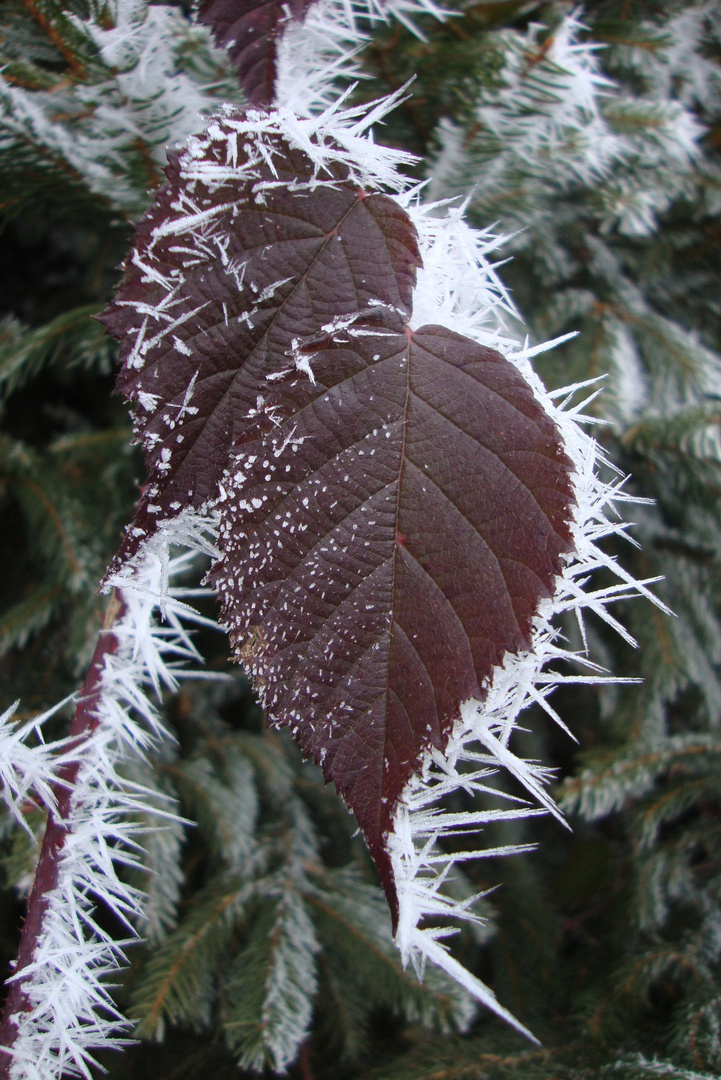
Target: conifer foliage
[(413, 541)]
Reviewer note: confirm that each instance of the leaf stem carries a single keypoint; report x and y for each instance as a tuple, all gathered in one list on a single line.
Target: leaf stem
[(304, 1062)]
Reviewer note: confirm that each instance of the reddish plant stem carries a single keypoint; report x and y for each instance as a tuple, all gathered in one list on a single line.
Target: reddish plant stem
[(46, 876), (304, 1061)]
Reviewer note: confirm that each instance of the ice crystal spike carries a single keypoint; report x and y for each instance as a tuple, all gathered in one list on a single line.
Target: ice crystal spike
[(293, 53), (250, 30)]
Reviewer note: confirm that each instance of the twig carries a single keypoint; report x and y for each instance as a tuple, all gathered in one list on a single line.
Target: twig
[(46, 877)]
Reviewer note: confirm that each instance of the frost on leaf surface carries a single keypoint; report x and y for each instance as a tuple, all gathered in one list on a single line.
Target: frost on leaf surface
[(249, 30), (246, 252), (393, 504), (386, 545)]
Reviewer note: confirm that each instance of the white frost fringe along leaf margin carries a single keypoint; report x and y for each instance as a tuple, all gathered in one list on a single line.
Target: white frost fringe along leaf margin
[(459, 289), (71, 1010)]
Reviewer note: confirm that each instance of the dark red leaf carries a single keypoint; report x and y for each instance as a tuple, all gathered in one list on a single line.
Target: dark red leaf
[(249, 30), (394, 504), (386, 545), (197, 314)]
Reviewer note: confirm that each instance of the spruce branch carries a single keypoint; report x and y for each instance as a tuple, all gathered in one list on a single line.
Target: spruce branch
[(73, 337)]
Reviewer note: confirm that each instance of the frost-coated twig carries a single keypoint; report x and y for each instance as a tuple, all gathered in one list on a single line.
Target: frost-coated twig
[(46, 875), (59, 1007)]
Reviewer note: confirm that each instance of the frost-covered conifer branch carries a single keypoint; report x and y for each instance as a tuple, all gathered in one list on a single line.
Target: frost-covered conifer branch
[(556, 121), (59, 1007), (547, 109), (150, 77)]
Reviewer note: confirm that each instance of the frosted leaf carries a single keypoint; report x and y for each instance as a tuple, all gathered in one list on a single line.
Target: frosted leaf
[(250, 249), (387, 539)]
